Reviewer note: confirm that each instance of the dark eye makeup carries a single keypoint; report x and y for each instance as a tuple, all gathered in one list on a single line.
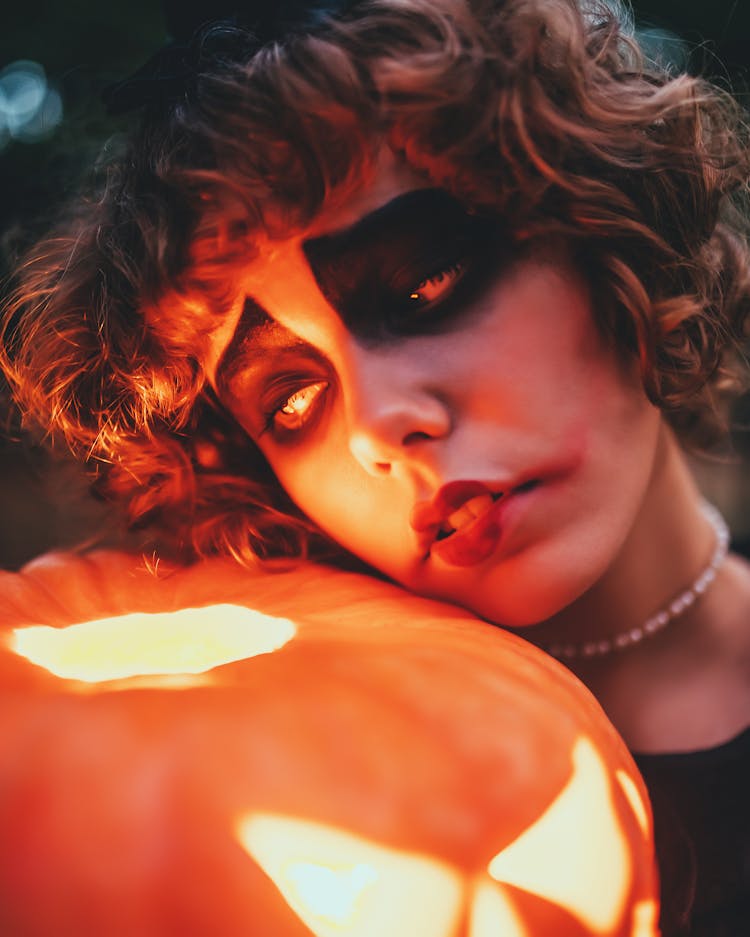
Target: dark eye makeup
[(408, 267), (440, 298), (415, 266), (295, 400)]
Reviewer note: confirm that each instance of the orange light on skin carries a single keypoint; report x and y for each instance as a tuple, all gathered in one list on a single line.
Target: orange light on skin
[(187, 641), (339, 883), (575, 854)]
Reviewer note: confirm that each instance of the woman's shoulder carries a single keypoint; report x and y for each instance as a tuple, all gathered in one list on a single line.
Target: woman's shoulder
[(701, 807), (699, 779)]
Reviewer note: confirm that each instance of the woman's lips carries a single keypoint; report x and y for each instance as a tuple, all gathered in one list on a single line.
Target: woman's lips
[(431, 514), (477, 539)]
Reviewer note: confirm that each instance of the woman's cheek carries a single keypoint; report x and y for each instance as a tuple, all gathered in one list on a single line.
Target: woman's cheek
[(348, 504), (314, 479)]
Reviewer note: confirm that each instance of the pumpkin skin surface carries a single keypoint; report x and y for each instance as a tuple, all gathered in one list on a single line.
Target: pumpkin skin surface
[(345, 758)]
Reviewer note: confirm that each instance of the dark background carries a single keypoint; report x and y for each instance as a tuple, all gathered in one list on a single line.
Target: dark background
[(82, 46)]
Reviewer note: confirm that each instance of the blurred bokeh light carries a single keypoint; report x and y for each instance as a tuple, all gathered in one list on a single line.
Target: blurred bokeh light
[(30, 109)]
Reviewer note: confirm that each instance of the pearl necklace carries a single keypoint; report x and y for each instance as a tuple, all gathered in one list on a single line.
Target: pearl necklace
[(664, 616)]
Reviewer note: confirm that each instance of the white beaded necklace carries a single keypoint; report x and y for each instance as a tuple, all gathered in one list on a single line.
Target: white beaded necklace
[(664, 616)]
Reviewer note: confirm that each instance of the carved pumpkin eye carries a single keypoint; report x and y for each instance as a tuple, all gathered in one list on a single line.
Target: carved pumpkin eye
[(188, 641)]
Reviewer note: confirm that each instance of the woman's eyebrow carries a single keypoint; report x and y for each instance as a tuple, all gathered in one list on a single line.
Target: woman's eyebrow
[(354, 266), (255, 339), (417, 208)]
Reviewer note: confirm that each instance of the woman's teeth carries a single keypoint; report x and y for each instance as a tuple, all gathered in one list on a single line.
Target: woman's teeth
[(468, 512), (474, 507)]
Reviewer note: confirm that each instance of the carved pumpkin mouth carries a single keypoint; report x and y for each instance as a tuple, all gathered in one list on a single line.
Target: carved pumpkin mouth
[(339, 882)]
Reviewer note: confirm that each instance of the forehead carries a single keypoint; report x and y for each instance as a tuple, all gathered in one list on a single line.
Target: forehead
[(387, 177), (278, 279)]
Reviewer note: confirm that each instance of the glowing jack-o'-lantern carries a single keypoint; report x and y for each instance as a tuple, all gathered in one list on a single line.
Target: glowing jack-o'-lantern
[(213, 751)]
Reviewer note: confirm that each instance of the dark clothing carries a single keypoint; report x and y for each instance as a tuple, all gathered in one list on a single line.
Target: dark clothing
[(701, 803)]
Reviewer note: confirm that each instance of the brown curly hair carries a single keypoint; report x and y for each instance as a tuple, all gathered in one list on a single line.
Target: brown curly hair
[(541, 111)]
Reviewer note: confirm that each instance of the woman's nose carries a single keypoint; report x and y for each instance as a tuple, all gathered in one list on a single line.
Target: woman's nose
[(392, 412)]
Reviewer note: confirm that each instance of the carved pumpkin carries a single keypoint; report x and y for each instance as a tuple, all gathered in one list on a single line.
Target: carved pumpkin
[(213, 751)]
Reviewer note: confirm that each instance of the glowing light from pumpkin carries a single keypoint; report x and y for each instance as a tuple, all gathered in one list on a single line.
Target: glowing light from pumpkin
[(493, 914), (342, 884), (575, 854), (331, 893), (188, 641), (634, 799), (645, 919)]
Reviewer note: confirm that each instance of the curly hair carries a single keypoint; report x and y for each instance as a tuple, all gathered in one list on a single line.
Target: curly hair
[(544, 112)]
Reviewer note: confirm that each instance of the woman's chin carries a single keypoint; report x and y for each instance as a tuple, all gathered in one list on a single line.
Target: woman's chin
[(515, 601)]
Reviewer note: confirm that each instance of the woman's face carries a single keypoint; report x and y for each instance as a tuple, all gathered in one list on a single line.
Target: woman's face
[(441, 405)]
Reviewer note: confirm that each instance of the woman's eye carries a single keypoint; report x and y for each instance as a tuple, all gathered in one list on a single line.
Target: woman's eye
[(296, 409), (437, 287)]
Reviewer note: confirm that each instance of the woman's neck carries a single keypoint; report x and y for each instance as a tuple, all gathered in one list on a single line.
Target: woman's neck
[(669, 544), (688, 685)]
